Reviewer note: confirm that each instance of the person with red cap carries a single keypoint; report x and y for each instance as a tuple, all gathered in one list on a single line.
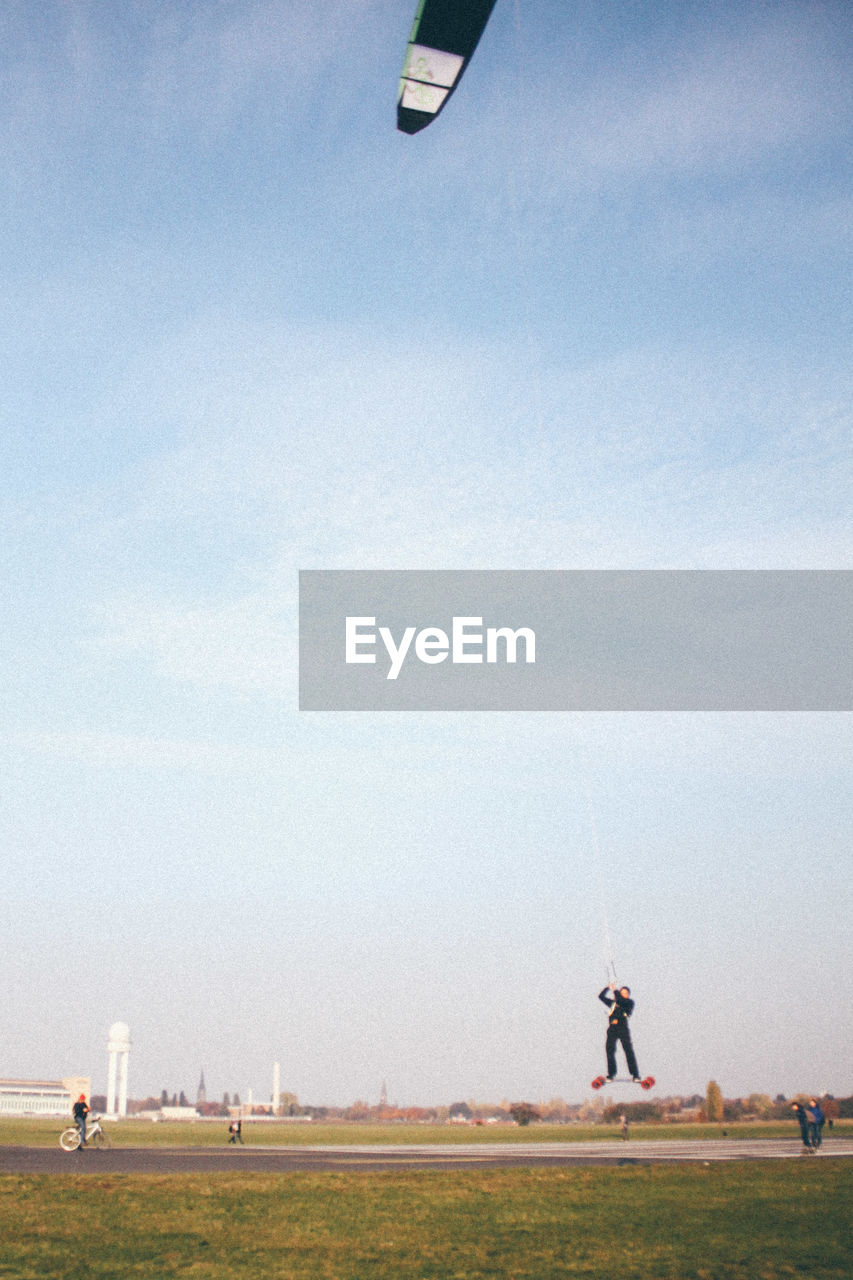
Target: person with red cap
[(81, 1110)]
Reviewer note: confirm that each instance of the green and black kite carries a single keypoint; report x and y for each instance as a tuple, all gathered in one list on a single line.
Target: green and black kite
[(444, 36)]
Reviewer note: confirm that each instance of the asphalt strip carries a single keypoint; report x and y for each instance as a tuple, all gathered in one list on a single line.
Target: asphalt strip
[(227, 1159)]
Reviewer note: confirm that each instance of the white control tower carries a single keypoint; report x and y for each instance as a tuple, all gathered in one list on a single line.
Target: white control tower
[(118, 1047)]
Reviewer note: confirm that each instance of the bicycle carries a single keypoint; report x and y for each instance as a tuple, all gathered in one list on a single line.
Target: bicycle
[(69, 1139)]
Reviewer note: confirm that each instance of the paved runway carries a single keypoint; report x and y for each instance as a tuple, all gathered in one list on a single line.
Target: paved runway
[(266, 1159)]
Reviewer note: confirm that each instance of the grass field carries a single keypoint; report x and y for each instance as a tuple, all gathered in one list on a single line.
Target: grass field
[(142, 1133), (719, 1222)]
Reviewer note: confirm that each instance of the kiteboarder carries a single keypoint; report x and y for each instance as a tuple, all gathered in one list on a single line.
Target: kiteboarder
[(620, 1006)]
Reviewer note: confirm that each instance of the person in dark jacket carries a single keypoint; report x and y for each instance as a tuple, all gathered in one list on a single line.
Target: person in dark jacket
[(80, 1110), (805, 1128), (816, 1123), (620, 1006)]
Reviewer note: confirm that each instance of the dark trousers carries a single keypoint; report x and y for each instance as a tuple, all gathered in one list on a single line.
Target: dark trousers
[(620, 1035)]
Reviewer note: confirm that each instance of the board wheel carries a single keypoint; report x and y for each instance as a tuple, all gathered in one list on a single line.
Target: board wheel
[(647, 1083), (598, 1082)]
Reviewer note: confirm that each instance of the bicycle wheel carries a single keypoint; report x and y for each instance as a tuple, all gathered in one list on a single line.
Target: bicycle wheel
[(69, 1139)]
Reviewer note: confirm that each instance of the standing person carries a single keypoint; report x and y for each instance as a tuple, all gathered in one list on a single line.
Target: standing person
[(621, 1007), (818, 1120), (80, 1111), (805, 1132), (623, 1127)]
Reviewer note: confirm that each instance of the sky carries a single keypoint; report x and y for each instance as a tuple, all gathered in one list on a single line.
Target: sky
[(596, 316)]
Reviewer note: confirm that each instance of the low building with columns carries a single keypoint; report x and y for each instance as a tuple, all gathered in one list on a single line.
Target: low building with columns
[(42, 1097)]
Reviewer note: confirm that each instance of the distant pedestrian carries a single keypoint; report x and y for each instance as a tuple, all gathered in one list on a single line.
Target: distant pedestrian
[(80, 1110), (818, 1120), (235, 1129), (623, 1127), (805, 1130)]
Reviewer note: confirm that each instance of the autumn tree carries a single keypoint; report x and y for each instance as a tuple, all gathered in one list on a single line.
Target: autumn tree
[(714, 1102), (523, 1112), (639, 1112)]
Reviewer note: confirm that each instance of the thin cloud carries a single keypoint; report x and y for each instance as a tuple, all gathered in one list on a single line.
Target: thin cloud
[(121, 750), (717, 103), (246, 644)]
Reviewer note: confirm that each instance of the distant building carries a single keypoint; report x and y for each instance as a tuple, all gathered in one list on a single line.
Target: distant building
[(202, 1091), (178, 1113), (42, 1097)]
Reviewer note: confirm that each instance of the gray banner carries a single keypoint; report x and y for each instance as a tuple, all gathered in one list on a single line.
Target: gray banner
[(647, 640)]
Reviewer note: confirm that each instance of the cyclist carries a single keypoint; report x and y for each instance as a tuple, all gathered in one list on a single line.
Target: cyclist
[(81, 1110)]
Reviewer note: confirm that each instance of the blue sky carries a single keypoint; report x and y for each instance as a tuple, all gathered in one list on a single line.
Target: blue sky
[(596, 316)]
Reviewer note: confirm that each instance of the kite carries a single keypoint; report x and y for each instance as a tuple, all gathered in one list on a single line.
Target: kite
[(444, 36)]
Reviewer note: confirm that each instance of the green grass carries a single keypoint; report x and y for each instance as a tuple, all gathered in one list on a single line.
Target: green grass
[(764, 1221), (139, 1133)]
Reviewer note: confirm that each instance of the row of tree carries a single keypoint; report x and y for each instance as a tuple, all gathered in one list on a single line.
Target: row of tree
[(760, 1106), (711, 1107), (166, 1099), (715, 1109)]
